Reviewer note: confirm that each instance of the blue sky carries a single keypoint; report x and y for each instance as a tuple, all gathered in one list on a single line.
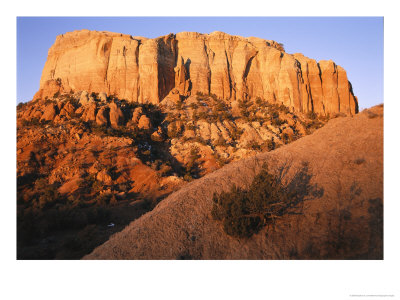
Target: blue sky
[(355, 43)]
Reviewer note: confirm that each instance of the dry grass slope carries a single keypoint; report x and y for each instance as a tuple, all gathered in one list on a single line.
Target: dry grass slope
[(345, 159)]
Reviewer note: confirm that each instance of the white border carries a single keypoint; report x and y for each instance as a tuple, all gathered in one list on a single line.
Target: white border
[(197, 279)]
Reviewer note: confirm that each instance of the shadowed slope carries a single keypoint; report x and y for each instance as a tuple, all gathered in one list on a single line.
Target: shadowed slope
[(345, 160)]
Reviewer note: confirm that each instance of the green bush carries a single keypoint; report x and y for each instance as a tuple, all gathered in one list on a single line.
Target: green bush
[(244, 213)]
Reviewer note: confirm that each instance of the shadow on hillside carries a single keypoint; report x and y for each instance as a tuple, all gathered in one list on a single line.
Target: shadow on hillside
[(347, 234), (298, 187), (270, 196)]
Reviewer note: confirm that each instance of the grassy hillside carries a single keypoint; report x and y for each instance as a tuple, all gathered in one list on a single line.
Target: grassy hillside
[(344, 163)]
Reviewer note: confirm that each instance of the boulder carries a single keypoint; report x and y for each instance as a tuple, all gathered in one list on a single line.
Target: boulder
[(116, 115), (49, 113), (156, 136), (144, 123), (102, 116), (137, 113), (89, 113), (103, 96), (84, 98), (69, 108), (104, 177), (215, 132), (189, 134)]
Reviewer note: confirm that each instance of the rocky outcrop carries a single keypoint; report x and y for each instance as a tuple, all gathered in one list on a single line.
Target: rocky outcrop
[(101, 117), (137, 114), (116, 115), (144, 122), (342, 163), (231, 67), (90, 112), (49, 112)]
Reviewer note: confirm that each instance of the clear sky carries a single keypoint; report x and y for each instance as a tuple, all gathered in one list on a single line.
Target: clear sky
[(355, 43)]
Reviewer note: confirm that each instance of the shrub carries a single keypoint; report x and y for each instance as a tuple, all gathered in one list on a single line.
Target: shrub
[(203, 115), (254, 145), (277, 122), (21, 105), (173, 131), (214, 97), (244, 213), (200, 140), (188, 177), (32, 122), (192, 164), (47, 193), (179, 105), (312, 125), (359, 161), (311, 115), (194, 106), (165, 169), (285, 138), (190, 126), (220, 142), (195, 116), (269, 145), (244, 106), (283, 108), (200, 96)]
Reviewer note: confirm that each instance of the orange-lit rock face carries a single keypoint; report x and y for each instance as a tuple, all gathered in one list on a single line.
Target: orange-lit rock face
[(231, 67)]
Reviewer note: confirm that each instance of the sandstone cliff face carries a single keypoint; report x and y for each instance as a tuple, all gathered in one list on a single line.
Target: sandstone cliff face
[(231, 67)]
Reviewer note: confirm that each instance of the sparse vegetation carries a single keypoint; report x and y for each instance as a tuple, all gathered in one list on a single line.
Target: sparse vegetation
[(149, 149), (244, 212), (268, 145)]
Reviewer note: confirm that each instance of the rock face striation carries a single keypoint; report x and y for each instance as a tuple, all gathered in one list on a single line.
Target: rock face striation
[(178, 65)]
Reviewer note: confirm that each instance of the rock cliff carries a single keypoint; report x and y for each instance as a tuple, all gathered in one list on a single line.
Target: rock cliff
[(177, 65)]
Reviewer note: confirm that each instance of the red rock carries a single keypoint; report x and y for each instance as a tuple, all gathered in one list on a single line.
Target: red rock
[(231, 67), (144, 122), (102, 117), (90, 112), (49, 113), (116, 115)]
